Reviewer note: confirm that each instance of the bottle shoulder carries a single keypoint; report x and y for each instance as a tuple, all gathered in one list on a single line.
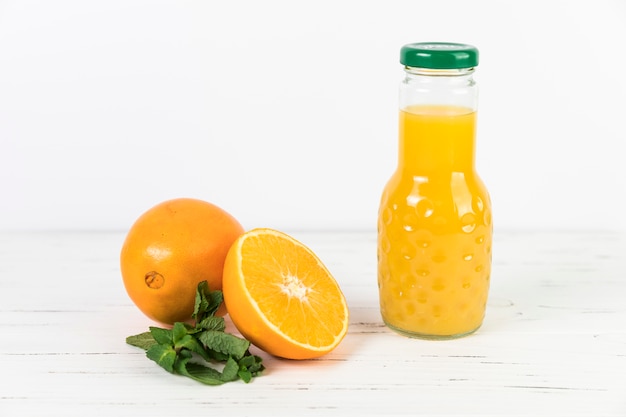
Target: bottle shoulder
[(409, 187), (443, 203)]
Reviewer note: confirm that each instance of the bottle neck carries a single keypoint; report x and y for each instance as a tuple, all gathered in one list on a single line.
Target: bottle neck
[(436, 141), (448, 87), (437, 121)]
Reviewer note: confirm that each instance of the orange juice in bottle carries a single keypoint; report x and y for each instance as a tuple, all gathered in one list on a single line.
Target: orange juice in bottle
[(434, 223)]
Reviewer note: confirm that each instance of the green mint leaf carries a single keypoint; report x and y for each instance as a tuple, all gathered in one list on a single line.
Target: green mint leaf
[(247, 360), (162, 336), (165, 356), (250, 366), (230, 371), (142, 340), (245, 375), (252, 362), (217, 356), (178, 332), (216, 298), (258, 367), (190, 344), (225, 343), (185, 354), (213, 323), (198, 372), (207, 302), (201, 303)]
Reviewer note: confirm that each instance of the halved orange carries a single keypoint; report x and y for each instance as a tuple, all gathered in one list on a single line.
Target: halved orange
[(281, 297)]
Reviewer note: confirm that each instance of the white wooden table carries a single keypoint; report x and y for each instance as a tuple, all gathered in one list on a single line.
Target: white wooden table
[(553, 342)]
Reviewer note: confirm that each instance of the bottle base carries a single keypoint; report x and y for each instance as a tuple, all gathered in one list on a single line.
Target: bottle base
[(428, 336)]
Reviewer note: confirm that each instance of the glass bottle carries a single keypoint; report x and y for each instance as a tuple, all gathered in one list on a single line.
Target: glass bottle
[(434, 223)]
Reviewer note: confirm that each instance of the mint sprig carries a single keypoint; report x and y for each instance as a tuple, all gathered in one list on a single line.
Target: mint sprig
[(198, 351)]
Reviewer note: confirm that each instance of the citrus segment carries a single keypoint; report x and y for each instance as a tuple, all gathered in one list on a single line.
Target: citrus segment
[(281, 297)]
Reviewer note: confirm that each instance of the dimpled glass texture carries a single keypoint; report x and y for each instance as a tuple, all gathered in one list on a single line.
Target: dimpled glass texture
[(435, 235)]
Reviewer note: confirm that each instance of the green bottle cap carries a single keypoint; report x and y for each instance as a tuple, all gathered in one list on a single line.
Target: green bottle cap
[(439, 55)]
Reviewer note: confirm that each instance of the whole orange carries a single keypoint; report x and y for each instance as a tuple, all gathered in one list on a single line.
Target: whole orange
[(170, 249)]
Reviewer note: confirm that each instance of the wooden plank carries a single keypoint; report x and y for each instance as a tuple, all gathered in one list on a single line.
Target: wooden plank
[(553, 342)]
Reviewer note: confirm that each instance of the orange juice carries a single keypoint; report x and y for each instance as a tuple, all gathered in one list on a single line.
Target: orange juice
[(434, 227)]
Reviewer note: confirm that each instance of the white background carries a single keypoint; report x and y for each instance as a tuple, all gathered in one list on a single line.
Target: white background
[(284, 113)]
